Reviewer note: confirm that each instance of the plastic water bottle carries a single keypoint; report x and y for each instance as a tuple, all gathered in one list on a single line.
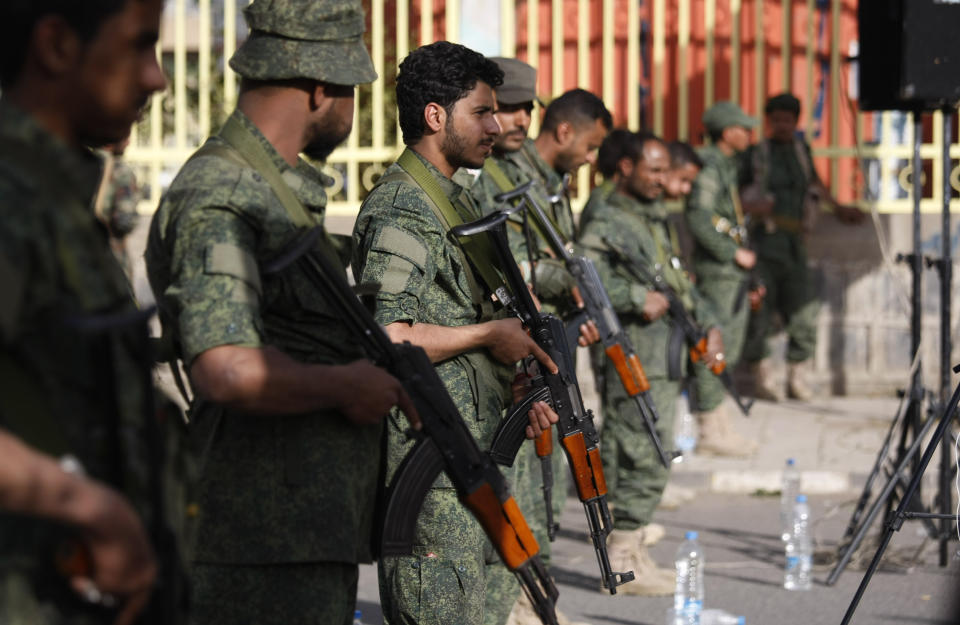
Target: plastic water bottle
[(688, 597), (357, 617), (799, 550), (789, 489), (713, 616), (685, 430)]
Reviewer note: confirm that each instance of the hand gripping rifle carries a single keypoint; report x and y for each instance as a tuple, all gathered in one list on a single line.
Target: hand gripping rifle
[(576, 431), (598, 308), (445, 443), (696, 336)]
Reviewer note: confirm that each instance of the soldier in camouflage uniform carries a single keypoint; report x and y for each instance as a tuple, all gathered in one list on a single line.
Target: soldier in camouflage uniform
[(634, 219), (504, 171), (786, 192), (82, 454), (721, 262), (430, 295), (289, 412), (116, 201)]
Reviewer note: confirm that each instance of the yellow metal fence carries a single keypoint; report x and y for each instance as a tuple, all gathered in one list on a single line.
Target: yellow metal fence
[(199, 36)]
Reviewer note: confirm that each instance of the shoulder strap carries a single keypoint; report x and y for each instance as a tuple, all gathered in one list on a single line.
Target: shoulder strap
[(803, 159), (492, 169), (478, 250)]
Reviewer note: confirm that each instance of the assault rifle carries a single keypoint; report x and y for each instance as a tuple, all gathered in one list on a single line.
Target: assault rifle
[(598, 308), (696, 336), (576, 431), (445, 443)]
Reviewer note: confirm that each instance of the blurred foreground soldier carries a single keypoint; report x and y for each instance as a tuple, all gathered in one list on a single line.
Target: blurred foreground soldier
[(431, 295), (116, 201), (502, 172), (634, 219), (75, 368), (783, 194), (721, 262), (288, 411)]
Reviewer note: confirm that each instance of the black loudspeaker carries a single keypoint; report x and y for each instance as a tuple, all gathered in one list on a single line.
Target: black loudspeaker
[(909, 54)]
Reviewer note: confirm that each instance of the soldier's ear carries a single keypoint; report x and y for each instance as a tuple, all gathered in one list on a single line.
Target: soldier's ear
[(55, 46), (564, 133), (625, 166), (435, 117)]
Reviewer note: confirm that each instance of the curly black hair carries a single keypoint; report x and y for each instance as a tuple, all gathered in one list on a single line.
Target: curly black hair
[(18, 18), (683, 153), (441, 72), (576, 107)]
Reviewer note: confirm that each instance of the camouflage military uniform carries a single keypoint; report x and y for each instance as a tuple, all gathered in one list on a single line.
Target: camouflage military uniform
[(74, 366), (709, 208), (781, 254), (596, 200), (402, 246), (286, 502), (635, 476), (116, 205)]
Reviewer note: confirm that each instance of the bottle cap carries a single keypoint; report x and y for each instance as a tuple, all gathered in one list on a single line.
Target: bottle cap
[(790, 462), (801, 499), (357, 614), (691, 535), (741, 620)]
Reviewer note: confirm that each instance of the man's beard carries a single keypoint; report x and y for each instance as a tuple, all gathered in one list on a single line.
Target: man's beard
[(454, 148), (326, 142)]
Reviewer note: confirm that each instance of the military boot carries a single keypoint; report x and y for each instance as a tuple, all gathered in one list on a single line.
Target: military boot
[(718, 438), (628, 553), (762, 387), (798, 386), (524, 614)]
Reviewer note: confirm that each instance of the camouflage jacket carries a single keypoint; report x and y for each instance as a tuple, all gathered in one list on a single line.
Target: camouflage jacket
[(641, 228), (552, 281), (291, 488), (712, 200), (403, 247), (76, 365), (598, 197)]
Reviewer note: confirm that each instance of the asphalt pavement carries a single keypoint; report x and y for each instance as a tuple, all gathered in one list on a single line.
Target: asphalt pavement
[(835, 441)]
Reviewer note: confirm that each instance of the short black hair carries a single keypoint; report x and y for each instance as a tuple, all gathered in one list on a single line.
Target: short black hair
[(440, 72), (611, 151), (682, 153), (576, 107), (633, 149), (19, 17), (783, 102)]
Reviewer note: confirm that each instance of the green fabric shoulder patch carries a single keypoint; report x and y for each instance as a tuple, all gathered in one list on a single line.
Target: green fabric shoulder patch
[(231, 260)]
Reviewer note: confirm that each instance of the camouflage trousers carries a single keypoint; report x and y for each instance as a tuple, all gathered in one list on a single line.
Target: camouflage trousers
[(635, 476), (791, 294), (444, 581), (723, 294), (526, 485), (316, 592)]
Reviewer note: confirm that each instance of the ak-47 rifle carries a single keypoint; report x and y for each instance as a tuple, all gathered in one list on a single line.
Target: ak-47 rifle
[(696, 336), (445, 444), (598, 308), (575, 429)]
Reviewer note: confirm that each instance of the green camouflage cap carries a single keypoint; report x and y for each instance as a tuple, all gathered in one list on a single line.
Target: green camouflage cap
[(316, 39), (519, 81), (725, 114)]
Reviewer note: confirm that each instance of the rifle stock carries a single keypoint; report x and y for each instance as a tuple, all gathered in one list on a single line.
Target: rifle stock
[(576, 431), (696, 336), (445, 442)]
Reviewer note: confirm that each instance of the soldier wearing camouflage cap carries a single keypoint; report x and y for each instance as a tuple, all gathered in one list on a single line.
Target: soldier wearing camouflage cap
[(510, 165), (721, 261), (289, 412)]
